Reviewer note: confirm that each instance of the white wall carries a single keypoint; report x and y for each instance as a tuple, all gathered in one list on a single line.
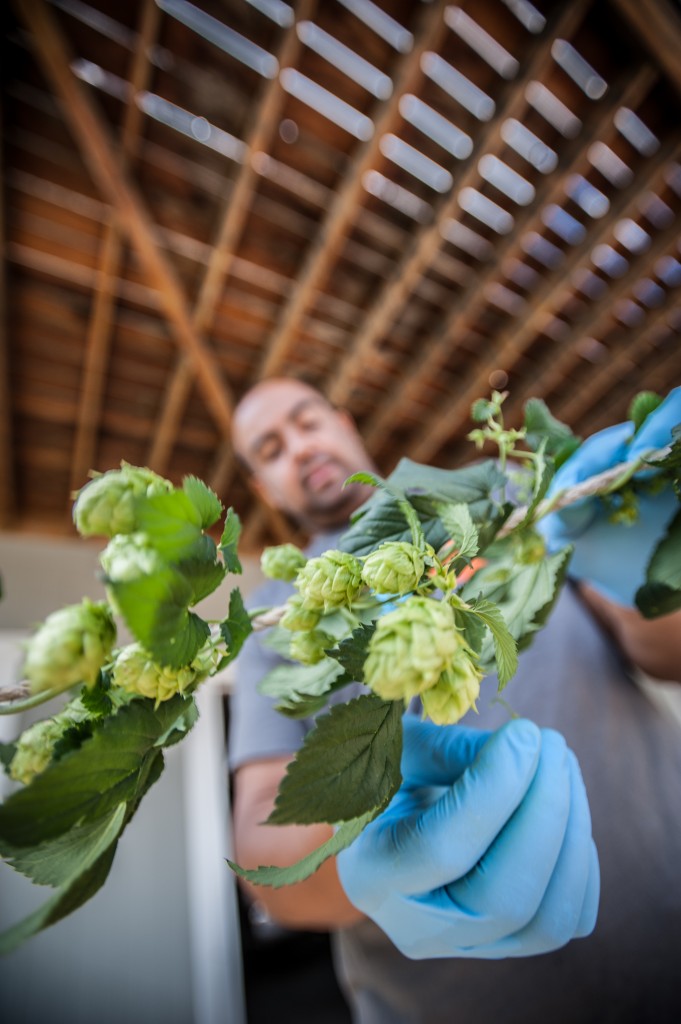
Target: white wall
[(160, 941)]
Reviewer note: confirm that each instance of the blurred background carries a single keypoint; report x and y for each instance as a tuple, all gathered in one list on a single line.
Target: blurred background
[(410, 203)]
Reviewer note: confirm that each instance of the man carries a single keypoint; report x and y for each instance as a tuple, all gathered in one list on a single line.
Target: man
[(501, 867)]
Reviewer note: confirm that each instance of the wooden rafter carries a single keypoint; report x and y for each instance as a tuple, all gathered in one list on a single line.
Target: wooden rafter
[(101, 320), (473, 298), (662, 371), (229, 234), (658, 24), (510, 102), (512, 342), (106, 168), (558, 366), (624, 350), (333, 229), (7, 482)]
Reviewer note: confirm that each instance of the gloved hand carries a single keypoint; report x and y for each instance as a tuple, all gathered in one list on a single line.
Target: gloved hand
[(485, 851), (613, 556)]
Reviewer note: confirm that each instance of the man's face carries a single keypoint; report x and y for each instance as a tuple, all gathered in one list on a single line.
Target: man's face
[(301, 451)]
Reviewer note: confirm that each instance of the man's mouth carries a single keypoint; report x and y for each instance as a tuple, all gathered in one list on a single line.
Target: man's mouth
[(320, 475)]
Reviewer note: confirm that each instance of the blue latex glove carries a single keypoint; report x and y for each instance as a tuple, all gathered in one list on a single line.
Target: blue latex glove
[(613, 556), (485, 851)]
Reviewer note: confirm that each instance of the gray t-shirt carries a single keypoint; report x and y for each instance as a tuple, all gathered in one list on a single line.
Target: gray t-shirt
[(573, 680)]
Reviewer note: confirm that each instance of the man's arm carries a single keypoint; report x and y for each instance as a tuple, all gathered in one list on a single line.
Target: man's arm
[(485, 851), (317, 903), (653, 645)]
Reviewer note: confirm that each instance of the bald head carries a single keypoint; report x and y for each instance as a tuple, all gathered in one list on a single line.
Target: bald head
[(300, 451)]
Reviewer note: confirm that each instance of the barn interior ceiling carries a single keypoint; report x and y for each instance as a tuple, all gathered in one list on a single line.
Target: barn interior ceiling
[(408, 202)]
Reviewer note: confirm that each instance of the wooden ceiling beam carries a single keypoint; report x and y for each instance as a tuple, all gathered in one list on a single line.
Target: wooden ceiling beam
[(556, 365), (105, 165), (624, 348), (510, 102), (662, 371), (334, 227), (511, 343), (472, 300), (235, 214), (658, 24), (101, 319)]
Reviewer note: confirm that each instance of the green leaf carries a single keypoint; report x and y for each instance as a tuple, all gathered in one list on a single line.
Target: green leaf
[(64, 902), (459, 524), (204, 500), (229, 541), (380, 518), (505, 647), (111, 767), (351, 652), (237, 626), (302, 690), (302, 869), (348, 765), (204, 577), (96, 700), (401, 500), (525, 594), (172, 523), (661, 593), (482, 410), (542, 425), (155, 608), (58, 861), (641, 407)]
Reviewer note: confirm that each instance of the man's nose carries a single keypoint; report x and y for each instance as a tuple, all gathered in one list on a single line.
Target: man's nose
[(301, 446)]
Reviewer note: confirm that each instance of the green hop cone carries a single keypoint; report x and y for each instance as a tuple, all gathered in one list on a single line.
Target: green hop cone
[(70, 647), (333, 580), (298, 616), (106, 506), (309, 648), (455, 692), (282, 562), (35, 746), (396, 567), (128, 557), (411, 648), (136, 672)]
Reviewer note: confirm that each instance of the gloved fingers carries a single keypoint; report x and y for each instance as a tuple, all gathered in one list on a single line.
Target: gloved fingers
[(656, 431), (566, 904), (599, 452), (435, 925), (436, 755), (595, 455), (587, 918), (443, 842), (547, 834)]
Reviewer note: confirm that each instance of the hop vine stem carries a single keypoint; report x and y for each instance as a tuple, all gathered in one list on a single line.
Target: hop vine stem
[(15, 699), (601, 483)]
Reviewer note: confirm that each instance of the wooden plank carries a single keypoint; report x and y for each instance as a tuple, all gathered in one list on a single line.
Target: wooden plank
[(625, 348), (510, 343), (472, 301), (222, 257), (101, 320), (510, 102), (343, 210), (658, 24), (105, 166)]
